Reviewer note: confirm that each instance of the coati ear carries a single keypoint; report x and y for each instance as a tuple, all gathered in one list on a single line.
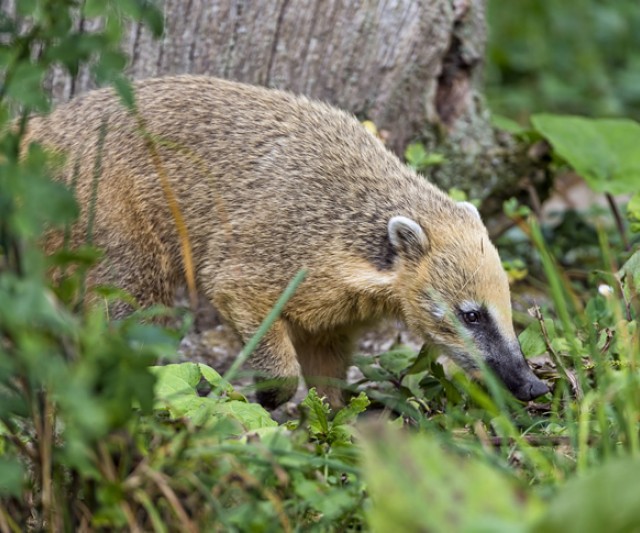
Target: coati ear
[(471, 208), (407, 237)]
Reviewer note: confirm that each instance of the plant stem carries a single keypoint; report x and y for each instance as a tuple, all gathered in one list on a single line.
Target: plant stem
[(619, 223)]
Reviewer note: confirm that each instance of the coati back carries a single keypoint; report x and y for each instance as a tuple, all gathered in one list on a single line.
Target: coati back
[(269, 183)]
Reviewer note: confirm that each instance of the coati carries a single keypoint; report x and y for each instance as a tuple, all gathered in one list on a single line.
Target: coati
[(269, 183)]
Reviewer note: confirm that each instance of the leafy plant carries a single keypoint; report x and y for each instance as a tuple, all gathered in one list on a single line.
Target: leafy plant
[(575, 56), (468, 494), (419, 159), (603, 151)]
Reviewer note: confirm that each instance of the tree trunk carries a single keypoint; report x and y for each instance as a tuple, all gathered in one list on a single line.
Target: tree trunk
[(412, 67)]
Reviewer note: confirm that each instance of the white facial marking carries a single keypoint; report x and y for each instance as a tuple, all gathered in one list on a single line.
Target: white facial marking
[(468, 306), (439, 311)]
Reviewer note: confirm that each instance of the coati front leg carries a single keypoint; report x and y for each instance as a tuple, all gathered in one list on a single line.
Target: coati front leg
[(276, 366), (324, 358), (274, 359)]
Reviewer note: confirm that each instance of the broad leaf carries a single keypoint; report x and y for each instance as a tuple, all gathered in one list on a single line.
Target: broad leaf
[(603, 151)]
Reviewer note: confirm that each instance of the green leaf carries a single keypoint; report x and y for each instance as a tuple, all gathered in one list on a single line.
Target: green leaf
[(457, 195), (214, 378), (26, 7), (506, 124), (176, 391), (418, 158), (605, 499), (252, 416), (109, 65), (329, 502), (631, 269), (318, 412), (531, 340), (371, 370), (176, 381), (25, 86), (633, 212), (357, 404), (603, 151), (125, 91), (415, 154), (426, 356), (398, 361), (12, 476), (95, 8), (153, 17), (160, 341), (82, 256), (145, 11)]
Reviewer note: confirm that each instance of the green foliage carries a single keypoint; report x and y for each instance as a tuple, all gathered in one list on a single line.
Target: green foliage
[(574, 56), (463, 494), (419, 159), (602, 500), (332, 431), (467, 494), (176, 391), (633, 211), (603, 151)]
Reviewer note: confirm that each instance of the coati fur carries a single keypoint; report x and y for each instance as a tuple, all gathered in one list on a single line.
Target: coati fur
[(270, 183)]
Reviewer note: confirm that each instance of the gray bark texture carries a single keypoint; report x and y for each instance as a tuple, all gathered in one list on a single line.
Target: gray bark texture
[(413, 67)]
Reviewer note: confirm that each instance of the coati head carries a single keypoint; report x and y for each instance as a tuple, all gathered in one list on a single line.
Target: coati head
[(455, 293)]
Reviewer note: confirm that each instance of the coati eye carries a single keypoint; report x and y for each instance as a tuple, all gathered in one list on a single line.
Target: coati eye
[(471, 317)]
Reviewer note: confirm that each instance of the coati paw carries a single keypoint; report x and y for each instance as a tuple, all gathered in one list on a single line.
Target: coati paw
[(273, 392)]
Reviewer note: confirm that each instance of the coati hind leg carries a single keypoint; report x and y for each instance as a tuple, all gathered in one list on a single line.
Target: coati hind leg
[(325, 358), (145, 271)]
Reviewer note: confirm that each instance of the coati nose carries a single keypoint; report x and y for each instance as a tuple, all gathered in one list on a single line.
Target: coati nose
[(532, 390), (538, 389)]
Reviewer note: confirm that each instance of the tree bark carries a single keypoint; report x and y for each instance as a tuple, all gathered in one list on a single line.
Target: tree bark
[(412, 67)]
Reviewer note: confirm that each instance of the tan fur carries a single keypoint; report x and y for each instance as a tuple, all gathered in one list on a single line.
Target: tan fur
[(270, 183)]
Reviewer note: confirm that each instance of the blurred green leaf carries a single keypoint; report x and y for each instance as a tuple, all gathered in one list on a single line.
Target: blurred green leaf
[(418, 158), (252, 416), (531, 340), (25, 86), (95, 8), (632, 269), (109, 65), (416, 485), (506, 124), (605, 499), (633, 212), (533, 45), (12, 477), (603, 151), (26, 7)]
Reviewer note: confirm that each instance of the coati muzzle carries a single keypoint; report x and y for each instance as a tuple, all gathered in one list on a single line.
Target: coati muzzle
[(503, 356), (517, 376)]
